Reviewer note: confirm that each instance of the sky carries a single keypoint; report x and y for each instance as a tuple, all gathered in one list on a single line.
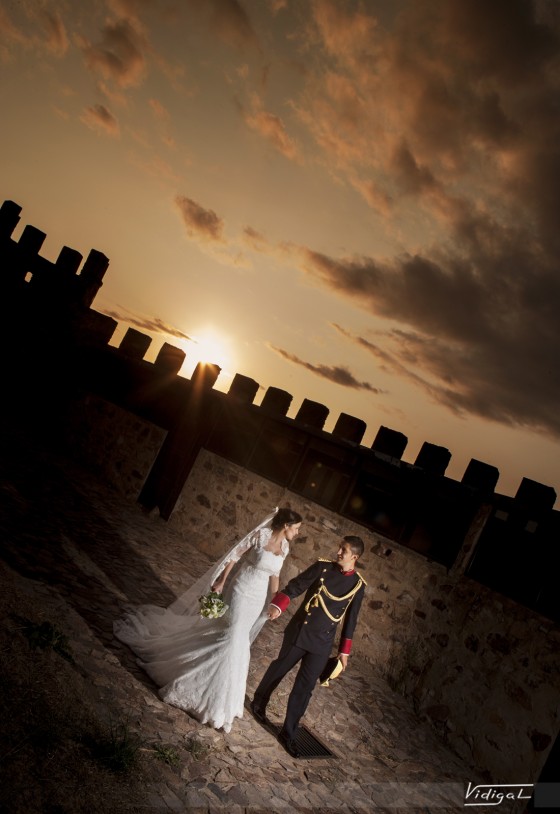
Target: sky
[(356, 201)]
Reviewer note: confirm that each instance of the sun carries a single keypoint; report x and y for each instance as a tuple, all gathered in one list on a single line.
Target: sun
[(209, 347)]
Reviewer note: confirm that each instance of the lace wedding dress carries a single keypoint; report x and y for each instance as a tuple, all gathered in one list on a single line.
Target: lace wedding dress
[(200, 664)]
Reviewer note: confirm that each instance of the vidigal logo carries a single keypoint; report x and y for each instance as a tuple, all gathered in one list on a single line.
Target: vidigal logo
[(493, 794)]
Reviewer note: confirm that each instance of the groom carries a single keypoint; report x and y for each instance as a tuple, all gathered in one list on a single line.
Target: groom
[(335, 591)]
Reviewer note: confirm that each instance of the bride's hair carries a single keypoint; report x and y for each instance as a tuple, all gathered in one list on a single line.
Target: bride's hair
[(283, 517)]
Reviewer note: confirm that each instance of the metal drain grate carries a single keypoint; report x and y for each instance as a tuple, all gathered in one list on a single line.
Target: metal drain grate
[(308, 744)]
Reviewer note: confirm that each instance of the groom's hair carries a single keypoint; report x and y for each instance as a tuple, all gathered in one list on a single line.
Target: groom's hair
[(284, 516), (356, 544)]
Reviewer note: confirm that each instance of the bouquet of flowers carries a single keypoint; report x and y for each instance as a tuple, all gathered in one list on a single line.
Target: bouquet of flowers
[(212, 606)]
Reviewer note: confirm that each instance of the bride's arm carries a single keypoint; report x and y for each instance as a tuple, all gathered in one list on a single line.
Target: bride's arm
[(236, 554), (274, 585), (218, 585)]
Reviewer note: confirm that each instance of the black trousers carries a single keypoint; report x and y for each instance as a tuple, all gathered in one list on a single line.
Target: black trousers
[(311, 667)]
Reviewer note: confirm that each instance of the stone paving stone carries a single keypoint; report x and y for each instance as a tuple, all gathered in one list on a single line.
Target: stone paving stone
[(155, 802), (172, 801)]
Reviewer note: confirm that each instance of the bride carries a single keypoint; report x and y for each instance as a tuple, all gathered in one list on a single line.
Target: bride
[(200, 664)]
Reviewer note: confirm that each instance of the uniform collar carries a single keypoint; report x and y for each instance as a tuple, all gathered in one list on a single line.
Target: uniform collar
[(346, 573)]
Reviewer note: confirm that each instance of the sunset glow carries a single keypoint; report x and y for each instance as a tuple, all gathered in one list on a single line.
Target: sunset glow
[(209, 347)]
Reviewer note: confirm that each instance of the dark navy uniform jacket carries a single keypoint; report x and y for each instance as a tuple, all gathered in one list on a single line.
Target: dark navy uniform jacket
[(310, 627)]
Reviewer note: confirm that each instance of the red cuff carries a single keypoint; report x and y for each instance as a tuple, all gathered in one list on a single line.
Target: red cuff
[(281, 601), (345, 647)]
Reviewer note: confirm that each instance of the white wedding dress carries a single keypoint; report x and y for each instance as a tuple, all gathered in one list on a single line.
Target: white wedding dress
[(200, 664)]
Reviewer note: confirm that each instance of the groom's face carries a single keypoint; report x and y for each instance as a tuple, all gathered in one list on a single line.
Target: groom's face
[(346, 557)]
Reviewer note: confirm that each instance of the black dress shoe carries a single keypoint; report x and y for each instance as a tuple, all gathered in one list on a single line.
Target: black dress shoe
[(259, 713), (289, 745)]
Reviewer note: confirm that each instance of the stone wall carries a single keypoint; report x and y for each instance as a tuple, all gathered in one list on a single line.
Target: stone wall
[(482, 669), (114, 443)]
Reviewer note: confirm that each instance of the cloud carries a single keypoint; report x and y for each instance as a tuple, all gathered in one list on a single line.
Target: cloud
[(155, 166), (128, 9), (270, 127), (56, 38), (119, 56), (278, 5), (163, 118), (444, 92), (228, 21), (333, 373), (389, 362), (201, 224), (444, 118), (232, 24), (371, 347), (50, 36), (412, 289), (481, 332), (257, 241), (160, 111), (207, 228), (145, 323), (10, 34), (99, 118), (408, 174)]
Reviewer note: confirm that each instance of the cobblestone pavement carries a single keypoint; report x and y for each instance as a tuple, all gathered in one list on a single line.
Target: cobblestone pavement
[(100, 553)]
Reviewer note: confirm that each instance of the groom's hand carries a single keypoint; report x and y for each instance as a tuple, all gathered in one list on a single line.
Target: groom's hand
[(344, 660), (273, 612)]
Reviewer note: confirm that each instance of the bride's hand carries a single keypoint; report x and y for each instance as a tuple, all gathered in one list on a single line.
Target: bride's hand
[(218, 586)]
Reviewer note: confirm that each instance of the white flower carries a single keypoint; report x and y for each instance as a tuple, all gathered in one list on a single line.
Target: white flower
[(212, 605)]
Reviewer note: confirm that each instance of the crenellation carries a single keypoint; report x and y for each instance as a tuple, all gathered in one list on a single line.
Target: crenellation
[(91, 276), (481, 476), (534, 498), (205, 375), (9, 219), (31, 241), (37, 282), (169, 359), (58, 289), (433, 458), (97, 328), (68, 261), (135, 344), (243, 389), (276, 401), (389, 442), (349, 428), (312, 414)]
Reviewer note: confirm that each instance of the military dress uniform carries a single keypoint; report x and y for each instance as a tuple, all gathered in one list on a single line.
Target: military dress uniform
[(332, 596)]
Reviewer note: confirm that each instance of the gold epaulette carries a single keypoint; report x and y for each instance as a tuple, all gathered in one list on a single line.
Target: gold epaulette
[(326, 559)]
